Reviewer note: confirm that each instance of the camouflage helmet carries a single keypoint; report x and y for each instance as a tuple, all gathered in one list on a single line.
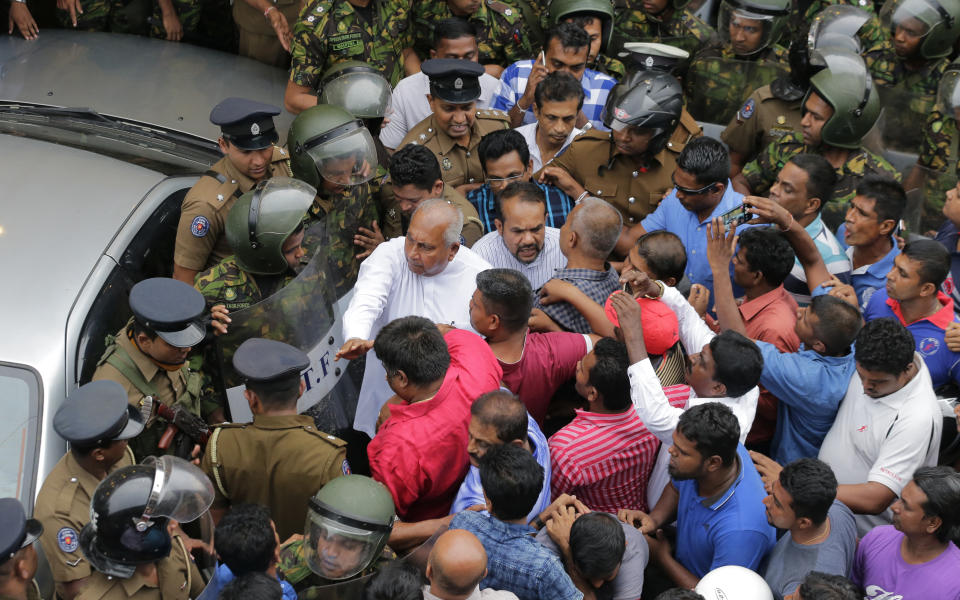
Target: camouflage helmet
[(348, 524), (261, 220), (356, 87), (846, 85), (769, 15), (653, 100), (936, 21), (327, 142), (561, 9)]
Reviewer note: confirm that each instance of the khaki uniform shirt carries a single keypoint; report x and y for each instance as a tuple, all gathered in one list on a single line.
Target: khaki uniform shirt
[(458, 164), (595, 163), (63, 507), (277, 461), (200, 240), (397, 224), (179, 579), (686, 130), (762, 119)]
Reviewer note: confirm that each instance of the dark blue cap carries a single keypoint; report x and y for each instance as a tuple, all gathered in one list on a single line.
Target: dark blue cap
[(96, 413), (246, 123), (16, 530), (453, 79), (171, 308), (262, 360)]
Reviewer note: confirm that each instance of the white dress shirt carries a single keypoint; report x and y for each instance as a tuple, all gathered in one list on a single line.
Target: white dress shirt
[(409, 105), (492, 249), (529, 133), (387, 289)]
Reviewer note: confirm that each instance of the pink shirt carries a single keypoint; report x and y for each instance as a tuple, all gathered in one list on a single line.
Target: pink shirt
[(420, 452), (548, 360)]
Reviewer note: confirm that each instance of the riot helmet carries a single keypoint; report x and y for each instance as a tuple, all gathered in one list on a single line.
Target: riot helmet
[(328, 143), (948, 93), (677, 5), (654, 102), (733, 581), (131, 508), (846, 85), (750, 26), (348, 524), (934, 21), (792, 86), (358, 88), (600, 9), (261, 221), (837, 26)]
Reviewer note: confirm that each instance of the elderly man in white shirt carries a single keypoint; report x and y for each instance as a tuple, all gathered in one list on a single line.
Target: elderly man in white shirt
[(722, 368), (454, 38), (556, 103), (426, 273), (522, 241)]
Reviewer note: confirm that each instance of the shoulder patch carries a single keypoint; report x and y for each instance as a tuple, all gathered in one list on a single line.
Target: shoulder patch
[(492, 113), (499, 7), (345, 467), (747, 110), (200, 226), (330, 439), (68, 540)]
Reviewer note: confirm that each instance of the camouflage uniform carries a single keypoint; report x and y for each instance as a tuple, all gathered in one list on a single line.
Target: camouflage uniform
[(332, 31), (762, 172), (761, 120), (110, 15), (718, 81), (870, 34), (684, 30), (609, 66), (188, 11), (502, 36), (228, 284), (939, 148)]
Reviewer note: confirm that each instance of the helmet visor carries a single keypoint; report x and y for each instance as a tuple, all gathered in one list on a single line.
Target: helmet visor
[(747, 32), (837, 25), (181, 491), (364, 94), (637, 107), (911, 18), (283, 203), (948, 94), (346, 159), (335, 550)]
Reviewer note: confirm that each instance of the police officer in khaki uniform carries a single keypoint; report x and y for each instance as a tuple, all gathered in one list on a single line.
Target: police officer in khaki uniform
[(280, 460), (97, 421), (629, 166), (455, 128), (129, 540), (148, 358), (18, 557), (247, 141)]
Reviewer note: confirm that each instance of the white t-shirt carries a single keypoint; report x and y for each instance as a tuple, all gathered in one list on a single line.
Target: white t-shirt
[(884, 439)]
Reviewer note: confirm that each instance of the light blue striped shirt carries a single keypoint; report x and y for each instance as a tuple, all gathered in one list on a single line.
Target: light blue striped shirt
[(492, 249)]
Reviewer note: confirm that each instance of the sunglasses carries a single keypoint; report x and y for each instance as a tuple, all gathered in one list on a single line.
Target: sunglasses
[(692, 192)]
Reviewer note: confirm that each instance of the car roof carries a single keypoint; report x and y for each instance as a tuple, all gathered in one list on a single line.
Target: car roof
[(137, 78), (57, 220)]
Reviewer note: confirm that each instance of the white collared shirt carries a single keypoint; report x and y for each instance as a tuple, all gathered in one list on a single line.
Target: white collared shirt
[(529, 133)]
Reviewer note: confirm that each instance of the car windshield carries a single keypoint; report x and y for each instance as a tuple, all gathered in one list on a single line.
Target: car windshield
[(156, 148), (20, 391)]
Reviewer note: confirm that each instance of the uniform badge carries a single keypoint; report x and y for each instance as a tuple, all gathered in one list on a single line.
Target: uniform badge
[(229, 294), (345, 467), (458, 84), (200, 226), (68, 540), (254, 129), (648, 62), (446, 164), (621, 114), (781, 120), (746, 111), (928, 346)]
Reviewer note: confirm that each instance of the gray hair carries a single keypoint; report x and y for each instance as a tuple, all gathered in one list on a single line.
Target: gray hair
[(451, 234), (598, 224)]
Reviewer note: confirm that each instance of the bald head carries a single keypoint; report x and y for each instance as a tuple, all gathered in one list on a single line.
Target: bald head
[(456, 564), (435, 212), (597, 225)]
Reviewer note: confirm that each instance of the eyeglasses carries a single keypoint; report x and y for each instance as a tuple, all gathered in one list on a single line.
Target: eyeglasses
[(498, 181), (692, 192)]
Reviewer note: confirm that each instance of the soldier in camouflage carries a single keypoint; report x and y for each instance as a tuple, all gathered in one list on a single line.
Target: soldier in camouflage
[(720, 78), (330, 31), (167, 19), (839, 109), (869, 35), (504, 32), (666, 21)]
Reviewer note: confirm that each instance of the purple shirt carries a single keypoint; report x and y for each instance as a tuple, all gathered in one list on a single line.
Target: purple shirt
[(881, 570)]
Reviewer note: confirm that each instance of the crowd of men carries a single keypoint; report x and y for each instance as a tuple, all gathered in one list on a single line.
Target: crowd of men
[(603, 355)]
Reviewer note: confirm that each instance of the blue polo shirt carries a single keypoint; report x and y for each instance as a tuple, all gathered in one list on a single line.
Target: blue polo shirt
[(868, 278), (928, 332), (672, 216), (728, 529), (809, 387), (948, 235)]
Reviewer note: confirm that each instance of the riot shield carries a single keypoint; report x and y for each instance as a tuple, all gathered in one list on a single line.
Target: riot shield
[(903, 119), (716, 87), (926, 192), (307, 314)]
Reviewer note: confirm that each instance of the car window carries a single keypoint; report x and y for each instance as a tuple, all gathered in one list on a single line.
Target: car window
[(20, 391)]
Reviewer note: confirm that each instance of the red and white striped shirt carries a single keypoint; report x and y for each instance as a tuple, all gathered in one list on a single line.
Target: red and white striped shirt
[(605, 460)]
